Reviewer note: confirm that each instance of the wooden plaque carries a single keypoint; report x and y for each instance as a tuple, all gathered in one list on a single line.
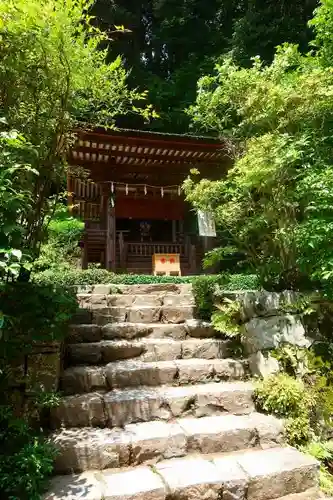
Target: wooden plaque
[(166, 264)]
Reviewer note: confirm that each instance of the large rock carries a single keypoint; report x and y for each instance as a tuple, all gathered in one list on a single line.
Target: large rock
[(271, 332), (78, 379), (204, 349), (143, 314), (263, 303), (263, 364), (140, 483), (134, 373)]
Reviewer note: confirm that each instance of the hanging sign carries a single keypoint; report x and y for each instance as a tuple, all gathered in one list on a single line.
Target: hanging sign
[(206, 224)]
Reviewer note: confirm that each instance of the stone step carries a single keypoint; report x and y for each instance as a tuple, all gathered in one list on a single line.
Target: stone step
[(134, 373), (251, 475), (99, 301), (154, 289), (148, 349), (87, 448), (87, 332), (120, 407), (143, 314)]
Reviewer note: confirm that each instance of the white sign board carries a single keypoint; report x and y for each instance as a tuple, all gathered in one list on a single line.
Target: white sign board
[(206, 224)]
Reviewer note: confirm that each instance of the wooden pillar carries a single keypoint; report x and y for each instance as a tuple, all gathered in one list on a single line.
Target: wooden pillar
[(70, 185), (110, 260), (84, 254), (174, 231)]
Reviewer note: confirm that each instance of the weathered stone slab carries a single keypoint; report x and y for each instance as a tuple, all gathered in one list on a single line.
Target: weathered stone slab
[(78, 379), (174, 300), (144, 314), (269, 429), (43, 371), (121, 349), (152, 441), (162, 350), (84, 333), (204, 348), (132, 405), (177, 314), (263, 303), (138, 373), (125, 330), (102, 289), (92, 301), (227, 397), (157, 288), (191, 479), (277, 472), (90, 353), (79, 411), (163, 403), (201, 370), (79, 450), (148, 300), (269, 333), (311, 494), (219, 434), (85, 486), (140, 483), (174, 331), (233, 478), (119, 300), (199, 329), (109, 314)]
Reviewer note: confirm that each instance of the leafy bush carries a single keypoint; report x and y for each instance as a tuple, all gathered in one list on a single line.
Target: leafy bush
[(227, 318), (287, 398), (26, 459), (323, 452), (32, 313)]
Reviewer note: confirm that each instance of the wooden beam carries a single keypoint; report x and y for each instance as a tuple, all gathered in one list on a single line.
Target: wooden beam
[(192, 144), (205, 157), (110, 260)]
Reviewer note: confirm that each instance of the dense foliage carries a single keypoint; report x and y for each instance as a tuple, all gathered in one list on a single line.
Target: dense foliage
[(276, 202), (169, 44), (52, 76), (25, 459)]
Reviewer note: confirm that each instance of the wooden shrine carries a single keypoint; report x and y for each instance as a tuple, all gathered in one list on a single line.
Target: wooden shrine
[(128, 192)]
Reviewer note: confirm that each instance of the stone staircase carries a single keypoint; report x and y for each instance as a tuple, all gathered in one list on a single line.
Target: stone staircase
[(156, 408)]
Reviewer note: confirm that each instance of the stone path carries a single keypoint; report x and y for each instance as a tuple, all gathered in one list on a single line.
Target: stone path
[(155, 408)]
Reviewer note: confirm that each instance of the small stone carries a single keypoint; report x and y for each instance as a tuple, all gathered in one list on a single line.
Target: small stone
[(140, 483)]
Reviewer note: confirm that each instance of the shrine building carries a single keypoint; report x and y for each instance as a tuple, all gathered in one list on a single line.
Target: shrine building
[(130, 197)]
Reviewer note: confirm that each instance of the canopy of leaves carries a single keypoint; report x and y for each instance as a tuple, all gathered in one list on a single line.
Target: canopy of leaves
[(53, 75), (277, 200), (169, 44)]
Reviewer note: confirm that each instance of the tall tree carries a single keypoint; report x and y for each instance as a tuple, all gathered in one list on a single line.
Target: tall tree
[(171, 43)]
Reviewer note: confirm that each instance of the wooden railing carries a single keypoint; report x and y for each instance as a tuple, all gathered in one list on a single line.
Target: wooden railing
[(144, 249)]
